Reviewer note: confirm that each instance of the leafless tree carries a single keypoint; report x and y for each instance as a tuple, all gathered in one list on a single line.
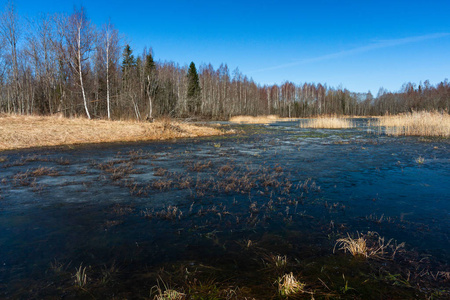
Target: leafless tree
[(80, 37), (109, 49), (10, 34)]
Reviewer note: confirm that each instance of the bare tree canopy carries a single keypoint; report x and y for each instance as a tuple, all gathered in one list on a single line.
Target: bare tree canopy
[(65, 64)]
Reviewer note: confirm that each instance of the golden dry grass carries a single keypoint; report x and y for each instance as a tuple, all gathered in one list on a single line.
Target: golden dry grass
[(259, 119), (356, 246), (370, 245), (254, 120), (288, 285), (416, 123), (327, 122), (18, 131)]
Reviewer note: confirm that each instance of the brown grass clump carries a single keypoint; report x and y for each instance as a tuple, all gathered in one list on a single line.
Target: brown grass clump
[(356, 246), (327, 122), (288, 285), (369, 245), (416, 123), (19, 131)]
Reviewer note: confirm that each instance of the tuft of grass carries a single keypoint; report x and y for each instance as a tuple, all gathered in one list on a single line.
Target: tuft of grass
[(108, 273), (416, 123), (327, 122), (369, 245), (276, 262), (356, 246), (164, 292), (170, 295), (288, 285), (420, 160), (57, 266), (80, 276)]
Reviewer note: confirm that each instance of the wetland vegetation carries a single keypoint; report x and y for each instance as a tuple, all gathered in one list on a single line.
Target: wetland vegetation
[(276, 211), (288, 207)]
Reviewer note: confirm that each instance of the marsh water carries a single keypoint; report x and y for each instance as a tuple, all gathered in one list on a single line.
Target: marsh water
[(226, 217)]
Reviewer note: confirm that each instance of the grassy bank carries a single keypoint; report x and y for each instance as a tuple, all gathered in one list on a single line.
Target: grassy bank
[(254, 120), (18, 132), (327, 122), (416, 123), (258, 120)]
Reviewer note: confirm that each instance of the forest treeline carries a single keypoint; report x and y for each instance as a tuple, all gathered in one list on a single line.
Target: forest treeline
[(65, 64)]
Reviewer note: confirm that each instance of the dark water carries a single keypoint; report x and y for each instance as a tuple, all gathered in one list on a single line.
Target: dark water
[(213, 217)]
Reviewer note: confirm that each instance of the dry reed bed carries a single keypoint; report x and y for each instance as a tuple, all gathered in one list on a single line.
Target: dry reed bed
[(18, 132), (416, 123), (258, 120), (327, 122)]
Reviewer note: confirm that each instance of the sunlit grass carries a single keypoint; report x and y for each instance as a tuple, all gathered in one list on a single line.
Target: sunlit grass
[(254, 120), (19, 131), (80, 276), (369, 245), (416, 123), (259, 119), (164, 292), (327, 122), (356, 246), (288, 285), (170, 295)]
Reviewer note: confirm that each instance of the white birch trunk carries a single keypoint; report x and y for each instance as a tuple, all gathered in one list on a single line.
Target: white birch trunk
[(107, 73), (81, 74)]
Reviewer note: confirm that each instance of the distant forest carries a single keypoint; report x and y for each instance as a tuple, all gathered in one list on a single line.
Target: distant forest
[(65, 64)]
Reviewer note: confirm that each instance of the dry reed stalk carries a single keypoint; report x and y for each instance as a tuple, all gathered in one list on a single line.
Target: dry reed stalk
[(327, 122), (417, 123), (17, 131)]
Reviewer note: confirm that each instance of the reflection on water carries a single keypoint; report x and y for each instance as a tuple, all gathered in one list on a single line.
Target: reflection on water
[(227, 217)]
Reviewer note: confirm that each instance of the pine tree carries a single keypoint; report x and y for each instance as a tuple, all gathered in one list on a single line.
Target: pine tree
[(193, 90)]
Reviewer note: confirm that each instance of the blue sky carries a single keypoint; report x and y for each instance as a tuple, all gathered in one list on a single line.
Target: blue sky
[(361, 45)]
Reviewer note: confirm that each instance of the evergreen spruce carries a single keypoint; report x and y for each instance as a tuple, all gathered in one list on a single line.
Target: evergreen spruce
[(193, 90), (128, 62), (150, 76), (150, 66)]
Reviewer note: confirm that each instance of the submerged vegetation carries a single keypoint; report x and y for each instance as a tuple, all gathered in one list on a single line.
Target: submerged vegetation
[(213, 222)]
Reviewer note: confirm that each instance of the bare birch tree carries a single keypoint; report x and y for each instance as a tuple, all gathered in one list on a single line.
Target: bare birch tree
[(80, 38), (109, 46), (10, 32)]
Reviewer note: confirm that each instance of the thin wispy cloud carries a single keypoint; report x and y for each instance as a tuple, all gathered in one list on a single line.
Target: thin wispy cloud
[(373, 46)]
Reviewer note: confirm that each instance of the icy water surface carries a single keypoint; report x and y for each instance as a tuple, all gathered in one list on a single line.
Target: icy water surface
[(227, 217)]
